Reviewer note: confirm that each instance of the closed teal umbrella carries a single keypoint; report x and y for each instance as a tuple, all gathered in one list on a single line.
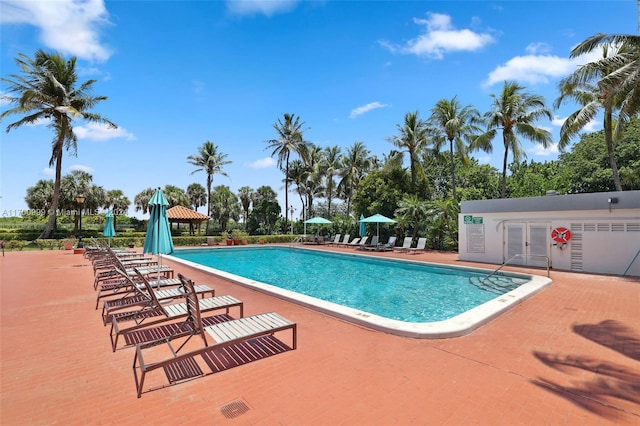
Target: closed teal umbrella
[(363, 227), (158, 239), (109, 230)]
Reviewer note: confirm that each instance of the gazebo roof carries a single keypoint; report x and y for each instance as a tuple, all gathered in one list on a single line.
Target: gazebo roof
[(184, 214)]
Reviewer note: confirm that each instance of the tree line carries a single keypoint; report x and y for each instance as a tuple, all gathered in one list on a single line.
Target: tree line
[(438, 149)]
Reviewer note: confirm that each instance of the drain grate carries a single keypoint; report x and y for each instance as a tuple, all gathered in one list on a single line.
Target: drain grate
[(234, 409)]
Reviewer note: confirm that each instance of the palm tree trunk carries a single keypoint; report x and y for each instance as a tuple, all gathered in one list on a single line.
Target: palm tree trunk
[(503, 190), (608, 135), (286, 191), (50, 227), (206, 229), (453, 171)]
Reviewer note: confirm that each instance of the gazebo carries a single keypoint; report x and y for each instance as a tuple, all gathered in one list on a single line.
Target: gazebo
[(181, 214)]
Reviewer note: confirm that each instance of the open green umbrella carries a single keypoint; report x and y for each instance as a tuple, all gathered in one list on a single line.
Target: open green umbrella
[(317, 220), (158, 239), (377, 219), (109, 230)]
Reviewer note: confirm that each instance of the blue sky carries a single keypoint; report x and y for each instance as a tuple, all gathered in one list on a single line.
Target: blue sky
[(179, 73)]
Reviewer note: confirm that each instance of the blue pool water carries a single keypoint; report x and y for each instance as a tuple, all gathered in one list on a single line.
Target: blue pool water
[(405, 291)]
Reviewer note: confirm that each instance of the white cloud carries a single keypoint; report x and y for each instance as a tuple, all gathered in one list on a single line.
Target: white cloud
[(264, 7), (69, 26), (366, 108), (538, 48), (49, 171), (263, 163), (539, 150), (102, 132), (534, 69), (441, 37)]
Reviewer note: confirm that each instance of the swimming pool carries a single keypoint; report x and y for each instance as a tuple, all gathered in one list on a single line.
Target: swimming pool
[(399, 296)]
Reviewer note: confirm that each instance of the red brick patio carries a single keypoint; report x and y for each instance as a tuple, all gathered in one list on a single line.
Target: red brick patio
[(568, 355)]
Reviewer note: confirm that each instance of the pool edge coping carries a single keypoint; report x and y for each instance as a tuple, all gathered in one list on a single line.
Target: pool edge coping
[(459, 325)]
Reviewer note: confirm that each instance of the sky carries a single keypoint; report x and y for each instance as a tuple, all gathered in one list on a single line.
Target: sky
[(180, 73)]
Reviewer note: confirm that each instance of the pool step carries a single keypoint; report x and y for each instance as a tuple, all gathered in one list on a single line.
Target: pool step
[(495, 284)]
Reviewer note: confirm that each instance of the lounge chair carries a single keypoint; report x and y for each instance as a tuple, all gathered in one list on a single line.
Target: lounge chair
[(421, 245), (121, 321), (139, 295), (390, 244), (362, 242), (336, 240), (181, 366), (406, 245), (345, 240), (373, 245), (353, 242)]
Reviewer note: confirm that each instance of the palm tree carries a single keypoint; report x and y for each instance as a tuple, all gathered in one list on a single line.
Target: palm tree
[(40, 195), (356, 163), (515, 112), (624, 66), (411, 206), (290, 139), (142, 199), (117, 202), (211, 162), (456, 125), (48, 90), (590, 85), (246, 195), (330, 166), (224, 206), (197, 195), (413, 137)]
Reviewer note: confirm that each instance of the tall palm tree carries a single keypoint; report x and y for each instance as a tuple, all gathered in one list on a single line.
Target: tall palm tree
[(624, 75), (247, 196), (311, 156), (457, 125), (356, 163), (515, 112), (290, 140), (589, 87), (48, 90), (211, 161), (413, 137), (330, 166)]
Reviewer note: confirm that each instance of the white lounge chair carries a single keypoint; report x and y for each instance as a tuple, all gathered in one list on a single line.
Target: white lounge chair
[(422, 245), (406, 245)]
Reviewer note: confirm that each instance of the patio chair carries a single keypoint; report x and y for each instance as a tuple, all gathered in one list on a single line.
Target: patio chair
[(182, 366), (373, 245), (163, 314), (353, 242), (345, 240), (138, 295), (389, 245), (421, 245), (336, 240), (406, 245), (362, 242)]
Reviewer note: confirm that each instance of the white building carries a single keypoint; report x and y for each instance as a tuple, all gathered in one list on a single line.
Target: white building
[(603, 232)]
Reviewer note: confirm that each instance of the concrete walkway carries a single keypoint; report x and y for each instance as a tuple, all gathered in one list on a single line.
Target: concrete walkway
[(569, 355)]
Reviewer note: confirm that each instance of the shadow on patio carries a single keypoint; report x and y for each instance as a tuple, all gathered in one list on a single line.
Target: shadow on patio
[(609, 386)]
